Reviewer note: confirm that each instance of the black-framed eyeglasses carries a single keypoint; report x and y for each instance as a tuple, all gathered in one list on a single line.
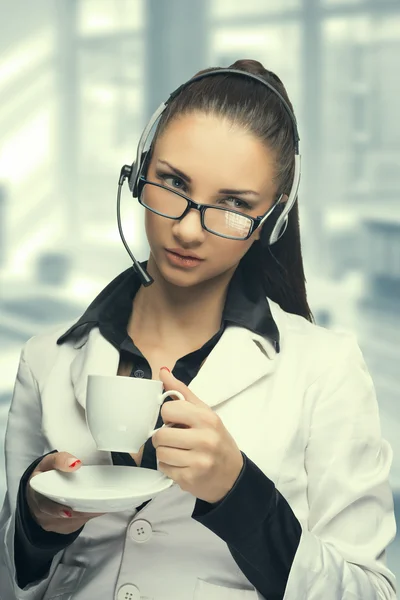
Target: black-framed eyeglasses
[(221, 221)]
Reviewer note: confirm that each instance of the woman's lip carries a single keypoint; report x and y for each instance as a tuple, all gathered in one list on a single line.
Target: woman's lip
[(183, 256), (181, 261)]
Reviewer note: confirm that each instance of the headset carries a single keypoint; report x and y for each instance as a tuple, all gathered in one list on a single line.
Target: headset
[(134, 172)]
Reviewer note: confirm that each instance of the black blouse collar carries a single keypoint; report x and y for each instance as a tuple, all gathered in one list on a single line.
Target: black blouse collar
[(246, 305)]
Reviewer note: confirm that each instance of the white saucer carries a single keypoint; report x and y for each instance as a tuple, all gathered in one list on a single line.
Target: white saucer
[(101, 488)]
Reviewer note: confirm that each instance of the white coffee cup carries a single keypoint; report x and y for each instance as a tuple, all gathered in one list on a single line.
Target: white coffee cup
[(121, 412)]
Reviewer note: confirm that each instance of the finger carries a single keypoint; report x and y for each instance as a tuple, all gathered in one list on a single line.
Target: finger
[(41, 505), (45, 506), (86, 515), (185, 413), (179, 413), (172, 383), (174, 473), (185, 439), (174, 457), (59, 461)]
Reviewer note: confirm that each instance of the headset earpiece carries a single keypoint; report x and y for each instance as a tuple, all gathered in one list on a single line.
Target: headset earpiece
[(269, 228), (278, 225), (132, 180), (278, 231), (136, 172)]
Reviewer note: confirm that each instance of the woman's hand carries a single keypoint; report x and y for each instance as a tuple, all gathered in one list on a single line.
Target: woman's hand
[(50, 515), (201, 458)]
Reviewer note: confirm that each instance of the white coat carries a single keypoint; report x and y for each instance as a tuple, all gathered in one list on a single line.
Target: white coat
[(307, 416)]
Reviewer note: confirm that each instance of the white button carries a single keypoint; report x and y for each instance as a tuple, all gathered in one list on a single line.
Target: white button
[(140, 531), (128, 592)]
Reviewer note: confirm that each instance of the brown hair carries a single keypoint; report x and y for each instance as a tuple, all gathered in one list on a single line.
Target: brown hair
[(253, 106)]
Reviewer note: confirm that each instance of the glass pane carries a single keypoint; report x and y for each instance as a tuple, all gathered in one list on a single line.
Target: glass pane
[(112, 98), (263, 43), (98, 17), (339, 2), (111, 68), (364, 153), (163, 201), (227, 223), (227, 8)]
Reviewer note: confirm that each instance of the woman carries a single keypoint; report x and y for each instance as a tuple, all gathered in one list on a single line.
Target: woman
[(281, 473)]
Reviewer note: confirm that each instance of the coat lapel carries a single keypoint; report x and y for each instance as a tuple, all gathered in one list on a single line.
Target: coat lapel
[(238, 360), (96, 357)]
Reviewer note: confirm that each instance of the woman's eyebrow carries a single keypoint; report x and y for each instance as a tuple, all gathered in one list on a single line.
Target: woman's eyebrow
[(239, 192), (177, 171), (221, 191)]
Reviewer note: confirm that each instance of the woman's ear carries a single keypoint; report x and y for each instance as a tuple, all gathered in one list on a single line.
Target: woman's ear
[(284, 199)]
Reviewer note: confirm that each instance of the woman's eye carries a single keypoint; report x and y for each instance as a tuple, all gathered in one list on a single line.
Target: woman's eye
[(240, 204), (173, 181)]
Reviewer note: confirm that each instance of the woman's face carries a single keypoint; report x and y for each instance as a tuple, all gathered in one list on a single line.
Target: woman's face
[(214, 155)]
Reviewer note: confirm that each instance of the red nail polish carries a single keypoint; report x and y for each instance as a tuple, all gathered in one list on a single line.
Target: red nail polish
[(74, 464), (67, 513), (166, 368)]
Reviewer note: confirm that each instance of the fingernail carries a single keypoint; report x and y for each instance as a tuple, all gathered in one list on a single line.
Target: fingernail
[(166, 368), (66, 513), (76, 462)]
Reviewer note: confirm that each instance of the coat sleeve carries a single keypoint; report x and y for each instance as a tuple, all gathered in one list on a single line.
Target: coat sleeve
[(24, 443), (342, 551), (34, 548)]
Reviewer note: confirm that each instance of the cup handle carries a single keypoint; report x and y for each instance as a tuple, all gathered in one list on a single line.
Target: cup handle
[(163, 396)]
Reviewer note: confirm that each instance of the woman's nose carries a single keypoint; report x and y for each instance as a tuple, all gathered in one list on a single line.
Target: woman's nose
[(189, 228)]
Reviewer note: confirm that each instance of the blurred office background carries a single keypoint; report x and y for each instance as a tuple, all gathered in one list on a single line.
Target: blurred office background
[(79, 78)]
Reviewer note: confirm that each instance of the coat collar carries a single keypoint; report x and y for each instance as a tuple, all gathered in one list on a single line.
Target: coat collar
[(245, 305), (239, 359)]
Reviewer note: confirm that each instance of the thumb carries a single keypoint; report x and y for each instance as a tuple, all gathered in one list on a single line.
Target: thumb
[(59, 461), (172, 383)]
